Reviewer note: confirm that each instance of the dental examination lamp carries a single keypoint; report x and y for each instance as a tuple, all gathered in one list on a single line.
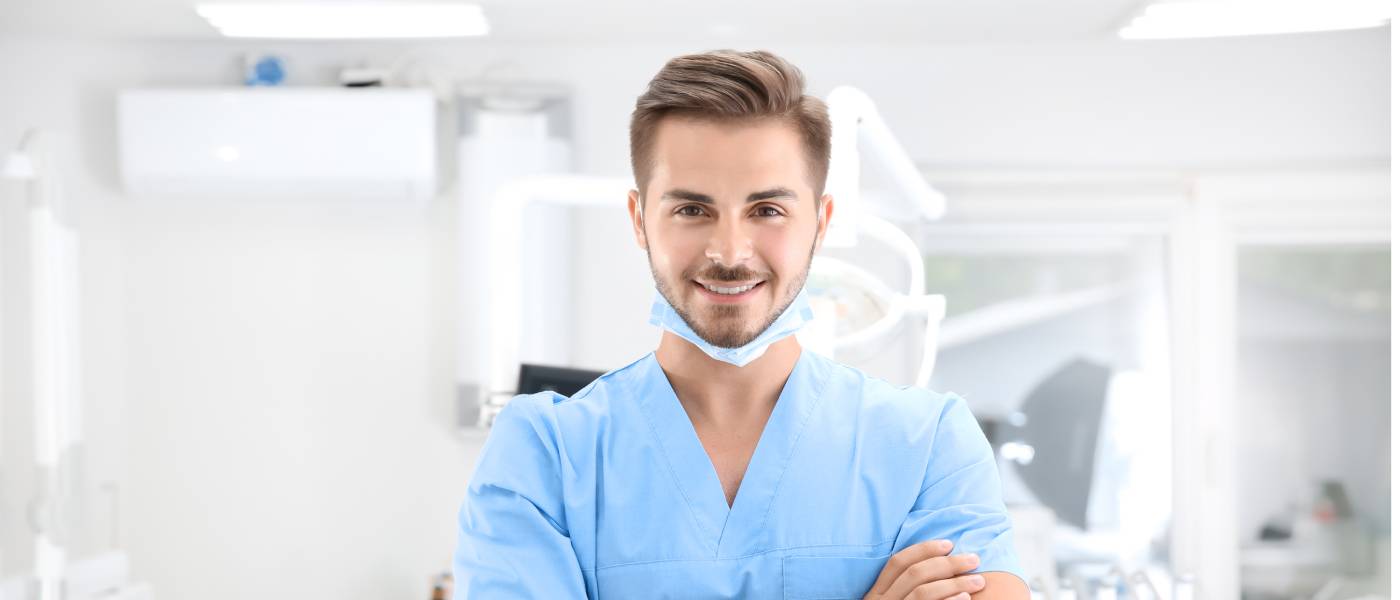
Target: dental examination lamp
[(841, 288)]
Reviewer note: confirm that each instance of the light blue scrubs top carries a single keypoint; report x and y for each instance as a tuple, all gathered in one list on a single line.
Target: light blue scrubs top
[(609, 493)]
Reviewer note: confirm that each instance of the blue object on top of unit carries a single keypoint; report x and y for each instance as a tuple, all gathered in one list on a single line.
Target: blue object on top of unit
[(269, 70)]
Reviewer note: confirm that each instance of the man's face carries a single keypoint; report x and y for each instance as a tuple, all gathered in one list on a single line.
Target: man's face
[(729, 206)]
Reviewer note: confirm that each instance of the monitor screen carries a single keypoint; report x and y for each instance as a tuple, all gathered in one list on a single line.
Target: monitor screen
[(562, 380)]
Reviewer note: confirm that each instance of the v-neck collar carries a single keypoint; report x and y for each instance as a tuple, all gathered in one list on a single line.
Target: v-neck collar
[(730, 528)]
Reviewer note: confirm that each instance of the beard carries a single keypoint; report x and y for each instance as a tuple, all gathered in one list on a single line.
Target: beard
[(723, 325)]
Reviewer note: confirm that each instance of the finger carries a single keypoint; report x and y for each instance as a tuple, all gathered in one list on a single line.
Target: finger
[(904, 558), (961, 596), (948, 588), (931, 570)]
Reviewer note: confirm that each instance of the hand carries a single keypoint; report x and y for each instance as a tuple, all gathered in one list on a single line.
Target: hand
[(924, 571)]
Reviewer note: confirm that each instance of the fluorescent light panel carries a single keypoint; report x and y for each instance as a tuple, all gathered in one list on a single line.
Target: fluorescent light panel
[(345, 21), (1206, 18)]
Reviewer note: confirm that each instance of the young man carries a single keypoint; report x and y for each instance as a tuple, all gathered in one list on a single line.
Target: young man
[(730, 462)]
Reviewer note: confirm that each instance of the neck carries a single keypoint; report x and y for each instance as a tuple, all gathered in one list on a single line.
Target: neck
[(719, 393)]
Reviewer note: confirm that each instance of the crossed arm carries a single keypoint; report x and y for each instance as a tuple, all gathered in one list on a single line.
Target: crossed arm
[(961, 503), (925, 571)]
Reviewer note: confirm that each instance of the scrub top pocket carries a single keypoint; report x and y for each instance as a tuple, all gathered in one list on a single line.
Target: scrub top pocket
[(830, 577)]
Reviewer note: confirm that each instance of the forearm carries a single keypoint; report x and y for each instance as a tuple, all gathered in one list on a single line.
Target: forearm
[(1002, 586)]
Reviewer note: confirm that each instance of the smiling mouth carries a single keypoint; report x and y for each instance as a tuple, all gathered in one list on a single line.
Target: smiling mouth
[(728, 292), (730, 288)]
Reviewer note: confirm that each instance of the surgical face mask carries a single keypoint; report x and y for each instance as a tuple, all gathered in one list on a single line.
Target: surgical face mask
[(797, 314)]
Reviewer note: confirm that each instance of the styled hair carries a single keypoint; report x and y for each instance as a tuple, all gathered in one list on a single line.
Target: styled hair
[(728, 86)]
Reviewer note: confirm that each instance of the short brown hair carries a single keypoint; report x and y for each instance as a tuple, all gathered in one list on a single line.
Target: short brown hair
[(731, 86)]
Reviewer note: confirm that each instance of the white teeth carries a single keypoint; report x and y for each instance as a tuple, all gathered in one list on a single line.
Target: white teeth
[(728, 291)]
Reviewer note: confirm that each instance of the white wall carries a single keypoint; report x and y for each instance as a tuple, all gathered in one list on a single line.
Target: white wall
[(270, 383), (295, 358)]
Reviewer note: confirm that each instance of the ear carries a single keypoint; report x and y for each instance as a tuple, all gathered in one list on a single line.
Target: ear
[(824, 218), (634, 208)]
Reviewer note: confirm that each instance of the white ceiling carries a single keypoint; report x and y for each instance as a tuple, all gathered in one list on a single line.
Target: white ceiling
[(550, 21)]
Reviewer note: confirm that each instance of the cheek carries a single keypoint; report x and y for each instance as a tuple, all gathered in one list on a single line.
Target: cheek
[(785, 253), (676, 248)]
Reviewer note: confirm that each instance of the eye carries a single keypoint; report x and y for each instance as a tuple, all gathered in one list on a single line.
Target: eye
[(775, 212), (698, 212)]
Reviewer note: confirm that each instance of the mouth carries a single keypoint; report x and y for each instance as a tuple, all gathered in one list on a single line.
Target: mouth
[(729, 292)]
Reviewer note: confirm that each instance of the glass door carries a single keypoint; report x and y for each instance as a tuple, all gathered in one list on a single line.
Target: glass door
[(1313, 419), (1059, 342)]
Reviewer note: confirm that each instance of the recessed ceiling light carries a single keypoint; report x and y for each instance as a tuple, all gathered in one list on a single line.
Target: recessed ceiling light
[(345, 21), (1167, 19)]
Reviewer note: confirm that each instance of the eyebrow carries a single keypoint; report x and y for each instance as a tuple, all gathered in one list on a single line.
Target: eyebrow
[(687, 195)]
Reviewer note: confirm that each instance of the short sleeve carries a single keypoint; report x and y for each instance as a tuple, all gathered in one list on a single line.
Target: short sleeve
[(512, 537), (961, 497)]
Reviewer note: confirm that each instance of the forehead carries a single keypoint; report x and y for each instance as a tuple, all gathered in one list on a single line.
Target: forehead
[(722, 155)]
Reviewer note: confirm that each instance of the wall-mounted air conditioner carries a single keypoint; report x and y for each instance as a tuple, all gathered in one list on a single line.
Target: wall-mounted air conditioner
[(278, 142)]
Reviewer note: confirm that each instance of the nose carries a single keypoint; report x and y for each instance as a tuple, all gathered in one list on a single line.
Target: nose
[(730, 244)]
